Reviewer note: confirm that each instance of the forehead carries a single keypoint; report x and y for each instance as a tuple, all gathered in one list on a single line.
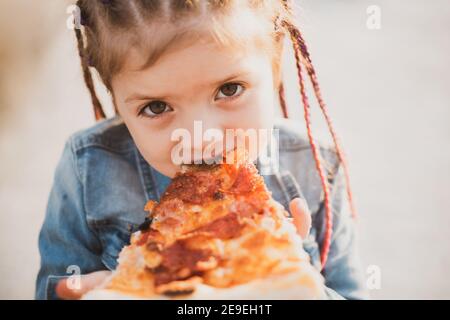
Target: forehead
[(203, 42), (202, 61)]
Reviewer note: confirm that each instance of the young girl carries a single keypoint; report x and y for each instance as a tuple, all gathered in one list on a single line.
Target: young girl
[(167, 64)]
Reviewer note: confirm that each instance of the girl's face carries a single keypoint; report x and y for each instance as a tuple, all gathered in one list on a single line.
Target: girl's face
[(223, 89)]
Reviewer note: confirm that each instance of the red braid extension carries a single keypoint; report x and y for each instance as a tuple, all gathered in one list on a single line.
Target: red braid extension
[(317, 157), (282, 100), (313, 77)]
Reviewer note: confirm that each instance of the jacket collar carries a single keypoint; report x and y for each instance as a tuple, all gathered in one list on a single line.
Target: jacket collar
[(153, 182)]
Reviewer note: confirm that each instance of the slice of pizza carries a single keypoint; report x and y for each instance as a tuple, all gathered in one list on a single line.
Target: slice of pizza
[(215, 234)]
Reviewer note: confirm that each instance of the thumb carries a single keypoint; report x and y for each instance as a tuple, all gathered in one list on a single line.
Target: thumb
[(65, 289), (302, 217)]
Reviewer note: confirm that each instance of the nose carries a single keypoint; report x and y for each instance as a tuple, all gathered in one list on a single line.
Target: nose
[(206, 130), (207, 140)]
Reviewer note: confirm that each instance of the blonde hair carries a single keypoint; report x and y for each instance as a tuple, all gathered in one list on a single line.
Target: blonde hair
[(112, 27)]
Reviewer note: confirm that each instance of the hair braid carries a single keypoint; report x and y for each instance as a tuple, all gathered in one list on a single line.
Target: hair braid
[(98, 110), (313, 77), (316, 153), (282, 98)]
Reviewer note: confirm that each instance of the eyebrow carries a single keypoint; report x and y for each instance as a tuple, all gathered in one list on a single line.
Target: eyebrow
[(140, 97)]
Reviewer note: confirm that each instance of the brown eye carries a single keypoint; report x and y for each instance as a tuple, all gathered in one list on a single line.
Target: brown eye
[(154, 108), (230, 89)]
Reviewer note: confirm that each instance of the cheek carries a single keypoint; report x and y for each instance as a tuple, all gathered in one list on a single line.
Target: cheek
[(257, 111), (149, 139), (153, 144)]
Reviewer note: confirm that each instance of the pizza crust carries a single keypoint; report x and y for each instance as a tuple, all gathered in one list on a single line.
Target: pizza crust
[(304, 284)]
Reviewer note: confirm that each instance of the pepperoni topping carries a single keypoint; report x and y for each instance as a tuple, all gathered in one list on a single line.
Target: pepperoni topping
[(178, 256), (194, 187), (179, 262), (226, 227), (245, 180)]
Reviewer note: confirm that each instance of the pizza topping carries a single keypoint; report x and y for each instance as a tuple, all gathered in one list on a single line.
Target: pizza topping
[(245, 181), (193, 188), (168, 208), (150, 235), (178, 256), (149, 206), (224, 228), (179, 262), (142, 239), (245, 209), (171, 222), (164, 276), (218, 195), (152, 258), (154, 246)]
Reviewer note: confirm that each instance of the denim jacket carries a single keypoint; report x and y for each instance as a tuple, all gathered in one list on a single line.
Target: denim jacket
[(102, 182)]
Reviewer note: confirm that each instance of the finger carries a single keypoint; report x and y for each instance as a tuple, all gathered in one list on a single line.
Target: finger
[(302, 217), (72, 288)]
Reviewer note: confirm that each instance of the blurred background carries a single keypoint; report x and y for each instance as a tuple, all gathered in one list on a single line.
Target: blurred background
[(386, 82)]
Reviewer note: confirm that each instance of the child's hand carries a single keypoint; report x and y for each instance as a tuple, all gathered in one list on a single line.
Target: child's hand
[(302, 217), (87, 282)]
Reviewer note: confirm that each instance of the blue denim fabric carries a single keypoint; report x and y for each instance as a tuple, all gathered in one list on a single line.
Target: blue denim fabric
[(102, 183)]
